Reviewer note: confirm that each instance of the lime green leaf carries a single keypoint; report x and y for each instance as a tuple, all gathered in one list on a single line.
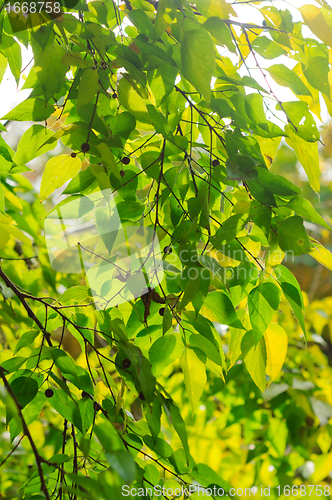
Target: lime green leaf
[(33, 143), (287, 78), (267, 48), (58, 170), (132, 101), (292, 291), (193, 367), (300, 117), (3, 66), (307, 154), (254, 355), (321, 254), (49, 69), (293, 236), (276, 343), (175, 419), (74, 59), (230, 229), (88, 87), (108, 160), (33, 109), (218, 307), (263, 302), (220, 31), (12, 50), (198, 57), (75, 293), (164, 351), (276, 184), (26, 339), (304, 208)]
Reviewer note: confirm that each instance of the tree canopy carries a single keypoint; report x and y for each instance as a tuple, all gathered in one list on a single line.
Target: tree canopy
[(159, 216)]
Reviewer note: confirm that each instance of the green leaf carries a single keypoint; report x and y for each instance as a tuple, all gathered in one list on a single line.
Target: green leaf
[(33, 143), (292, 236), (288, 78), (49, 69), (164, 351), (177, 422), (218, 307), (76, 293), (12, 50), (301, 121), (132, 101), (3, 66), (58, 170), (25, 389), (122, 462), (26, 339), (304, 208), (88, 87), (87, 412), (263, 302), (230, 228), (33, 109), (254, 355), (13, 364), (66, 407), (108, 436), (267, 48), (307, 154), (292, 292), (198, 56), (221, 32), (193, 366)]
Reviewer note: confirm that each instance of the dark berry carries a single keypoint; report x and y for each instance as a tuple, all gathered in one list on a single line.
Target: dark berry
[(141, 396), (122, 173), (85, 147), (126, 363), (125, 160), (161, 311), (115, 95), (215, 163), (96, 406), (49, 393), (73, 155), (85, 394), (167, 250)]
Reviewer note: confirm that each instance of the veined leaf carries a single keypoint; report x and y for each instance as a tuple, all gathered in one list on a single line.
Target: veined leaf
[(263, 302), (276, 343), (58, 170), (193, 367), (254, 355), (198, 56)]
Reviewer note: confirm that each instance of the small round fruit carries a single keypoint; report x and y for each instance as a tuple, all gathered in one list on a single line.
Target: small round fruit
[(122, 173), (126, 363), (85, 147), (167, 250), (115, 95), (49, 393), (141, 396), (73, 155), (215, 163), (161, 311), (125, 160), (85, 394), (96, 406)]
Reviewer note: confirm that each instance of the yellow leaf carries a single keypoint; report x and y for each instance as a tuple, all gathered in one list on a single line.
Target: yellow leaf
[(216, 8), (314, 19), (58, 170), (276, 347), (323, 466), (307, 154), (255, 358), (194, 375), (321, 254)]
